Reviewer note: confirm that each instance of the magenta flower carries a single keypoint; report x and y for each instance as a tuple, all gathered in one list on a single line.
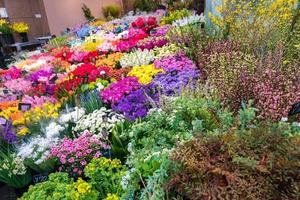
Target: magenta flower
[(115, 91)]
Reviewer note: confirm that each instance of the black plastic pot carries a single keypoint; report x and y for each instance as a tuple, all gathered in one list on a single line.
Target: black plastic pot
[(20, 191), (7, 39), (24, 37)]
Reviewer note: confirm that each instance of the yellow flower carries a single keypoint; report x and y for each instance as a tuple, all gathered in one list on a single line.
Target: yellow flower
[(23, 131), (3, 22), (98, 22), (83, 187), (145, 73), (111, 197), (20, 27)]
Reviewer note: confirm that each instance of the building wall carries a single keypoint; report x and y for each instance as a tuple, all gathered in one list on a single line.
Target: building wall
[(67, 13)]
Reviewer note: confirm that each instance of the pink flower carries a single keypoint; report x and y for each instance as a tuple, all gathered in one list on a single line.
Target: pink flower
[(71, 160), (97, 154), (83, 163), (75, 169)]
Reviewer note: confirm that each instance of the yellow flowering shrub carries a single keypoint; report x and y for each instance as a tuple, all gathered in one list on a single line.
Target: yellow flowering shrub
[(109, 60), (20, 27), (145, 73), (251, 21)]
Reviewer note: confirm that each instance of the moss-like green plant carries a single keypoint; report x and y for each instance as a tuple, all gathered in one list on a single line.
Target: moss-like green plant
[(87, 12), (111, 11)]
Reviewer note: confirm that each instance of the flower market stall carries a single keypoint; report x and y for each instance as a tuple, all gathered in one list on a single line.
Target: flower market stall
[(158, 105)]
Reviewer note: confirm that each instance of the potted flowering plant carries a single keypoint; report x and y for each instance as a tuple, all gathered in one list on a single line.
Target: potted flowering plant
[(6, 32), (21, 28), (13, 171)]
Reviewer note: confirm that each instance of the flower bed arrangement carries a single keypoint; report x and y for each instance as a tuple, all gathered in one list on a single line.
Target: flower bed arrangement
[(159, 107)]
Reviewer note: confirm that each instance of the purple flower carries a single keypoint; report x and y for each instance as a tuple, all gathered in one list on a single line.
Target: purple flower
[(44, 73), (174, 81), (161, 30), (8, 133), (137, 103)]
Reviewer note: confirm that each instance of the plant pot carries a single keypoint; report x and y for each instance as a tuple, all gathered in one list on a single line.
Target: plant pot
[(20, 191), (24, 37), (7, 39)]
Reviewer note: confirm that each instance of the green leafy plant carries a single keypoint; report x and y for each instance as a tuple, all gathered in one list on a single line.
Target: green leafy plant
[(106, 175), (175, 15), (87, 12), (60, 186), (111, 11), (90, 101), (60, 41), (146, 5)]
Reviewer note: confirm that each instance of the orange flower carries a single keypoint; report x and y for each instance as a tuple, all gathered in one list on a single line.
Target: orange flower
[(7, 104)]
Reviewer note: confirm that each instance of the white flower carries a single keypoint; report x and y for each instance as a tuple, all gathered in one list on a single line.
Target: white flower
[(189, 20), (284, 119), (137, 58)]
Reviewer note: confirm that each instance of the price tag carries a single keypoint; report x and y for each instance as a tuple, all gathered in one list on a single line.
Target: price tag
[(3, 121), (40, 178), (295, 109), (24, 107), (53, 79), (5, 91)]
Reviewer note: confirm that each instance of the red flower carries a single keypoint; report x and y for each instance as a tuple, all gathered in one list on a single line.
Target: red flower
[(83, 70), (139, 22), (91, 57), (151, 21)]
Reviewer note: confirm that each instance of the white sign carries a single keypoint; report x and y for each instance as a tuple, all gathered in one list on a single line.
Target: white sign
[(38, 16), (3, 13)]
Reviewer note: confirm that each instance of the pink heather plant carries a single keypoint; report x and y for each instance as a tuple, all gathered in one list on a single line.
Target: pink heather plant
[(38, 101), (275, 94), (115, 91), (73, 155)]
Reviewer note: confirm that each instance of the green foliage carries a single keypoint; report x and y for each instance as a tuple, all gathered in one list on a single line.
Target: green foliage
[(146, 5), (60, 41), (5, 29), (61, 187), (106, 175), (111, 11), (175, 15), (151, 140), (87, 12), (247, 115), (90, 101)]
